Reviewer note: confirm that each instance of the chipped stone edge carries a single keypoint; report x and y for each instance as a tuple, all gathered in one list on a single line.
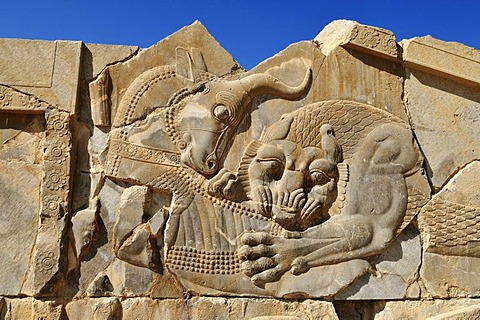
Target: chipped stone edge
[(413, 59)]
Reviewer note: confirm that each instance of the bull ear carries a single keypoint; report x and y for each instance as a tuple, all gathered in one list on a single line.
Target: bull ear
[(188, 68), (183, 64), (198, 63)]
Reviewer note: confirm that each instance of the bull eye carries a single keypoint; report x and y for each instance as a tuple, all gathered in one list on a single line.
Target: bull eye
[(220, 112)]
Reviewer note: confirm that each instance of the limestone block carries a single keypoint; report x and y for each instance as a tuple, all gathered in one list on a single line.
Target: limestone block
[(19, 200), (15, 54), (199, 309), (13, 100), (446, 59), (145, 308), (244, 308), (413, 310), (361, 64), (21, 135), (95, 309), (395, 273), (373, 40), (100, 56), (472, 312), (48, 70), (32, 309), (449, 224), (85, 227), (450, 276), (132, 207), (95, 58), (443, 110), (450, 219)]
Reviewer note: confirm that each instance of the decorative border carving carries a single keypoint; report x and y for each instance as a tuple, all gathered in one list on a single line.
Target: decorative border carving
[(55, 184), (144, 154), (373, 40), (13, 100)]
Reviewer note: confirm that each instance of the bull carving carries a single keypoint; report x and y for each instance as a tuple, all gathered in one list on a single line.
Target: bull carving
[(172, 142)]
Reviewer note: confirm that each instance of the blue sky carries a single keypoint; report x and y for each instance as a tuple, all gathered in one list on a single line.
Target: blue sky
[(250, 30)]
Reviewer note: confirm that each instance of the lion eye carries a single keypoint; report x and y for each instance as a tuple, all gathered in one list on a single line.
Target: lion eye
[(318, 177), (272, 167), (221, 112)]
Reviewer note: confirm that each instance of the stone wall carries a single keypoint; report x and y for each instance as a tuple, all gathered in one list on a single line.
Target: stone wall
[(335, 180)]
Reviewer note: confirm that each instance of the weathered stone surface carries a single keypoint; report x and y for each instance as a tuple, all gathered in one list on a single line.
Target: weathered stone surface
[(102, 55), (199, 309), (48, 70), (443, 111), (449, 222), (361, 64), (15, 52), (85, 228), (145, 308), (450, 219), (22, 138), (20, 200), (421, 309), (168, 182), (450, 276), (96, 309), (447, 59), (217, 60), (395, 273), (472, 312), (31, 309), (348, 33)]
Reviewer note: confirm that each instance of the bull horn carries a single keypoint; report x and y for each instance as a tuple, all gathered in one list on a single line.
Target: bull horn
[(262, 83)]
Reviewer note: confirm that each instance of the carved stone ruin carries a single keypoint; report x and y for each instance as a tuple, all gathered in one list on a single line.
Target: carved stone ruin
[(336, 180)]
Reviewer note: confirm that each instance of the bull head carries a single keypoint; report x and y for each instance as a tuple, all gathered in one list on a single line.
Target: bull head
[(209, 118)]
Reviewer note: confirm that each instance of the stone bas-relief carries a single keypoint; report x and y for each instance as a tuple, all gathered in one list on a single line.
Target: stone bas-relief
[(180, 184), (289, 185)]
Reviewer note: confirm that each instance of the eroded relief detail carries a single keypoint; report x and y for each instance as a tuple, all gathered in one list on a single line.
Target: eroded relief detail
[(14, 100), (326, 184), (452, 227), (450, 219), (378, 40)]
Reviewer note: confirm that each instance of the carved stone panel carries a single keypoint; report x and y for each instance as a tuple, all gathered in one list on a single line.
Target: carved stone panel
[(170, 182), (318, 189)]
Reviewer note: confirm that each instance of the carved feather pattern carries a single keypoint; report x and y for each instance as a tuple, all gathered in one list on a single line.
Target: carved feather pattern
[(350, 120), (452, 228)]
